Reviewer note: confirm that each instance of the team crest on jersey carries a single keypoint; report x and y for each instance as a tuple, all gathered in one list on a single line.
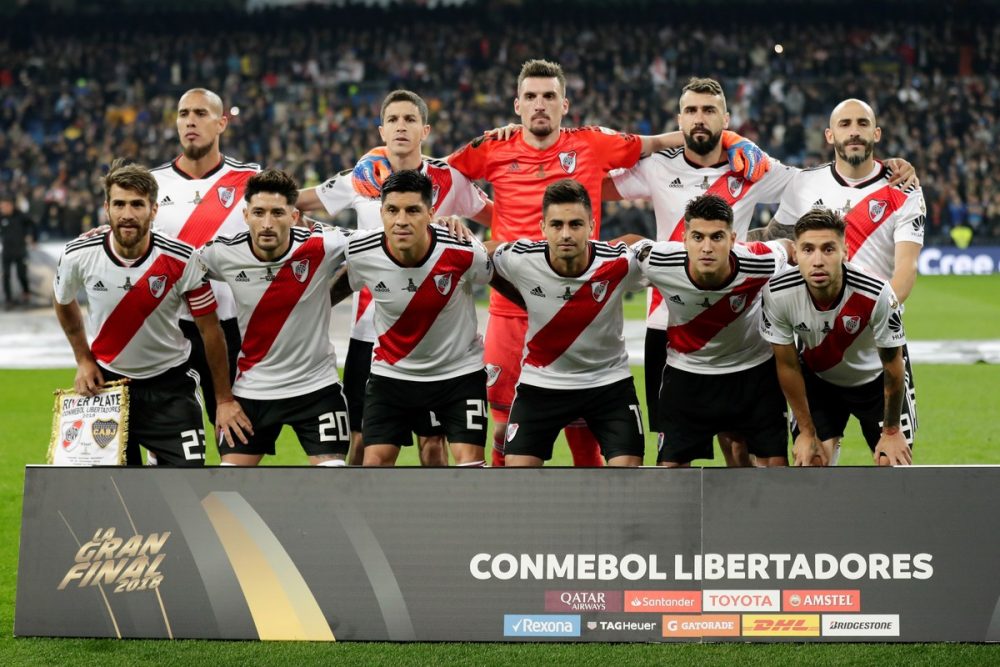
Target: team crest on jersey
[(104, 431), (492, 374), (851, 323), (227, 196), (157, 285), (568, 161), (300, 269), (435, 191), (511, 431), (876, 209), (737, 302), (735, 184), (599, 290), (443, 283)]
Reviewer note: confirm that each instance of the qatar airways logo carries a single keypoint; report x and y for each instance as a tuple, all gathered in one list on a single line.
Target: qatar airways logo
[(609, 601)]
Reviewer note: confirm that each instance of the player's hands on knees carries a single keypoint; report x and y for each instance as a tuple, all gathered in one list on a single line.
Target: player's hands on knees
[(90, 233), (231, 422), (892, 450), (89, 379), (903, 174), (457, 228), (745, 157), (807, 450), (504, 133)]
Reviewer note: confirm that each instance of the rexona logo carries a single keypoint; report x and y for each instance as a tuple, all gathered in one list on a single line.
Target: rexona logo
[(660, 601), (702, 625), (781, 625), (583, 600), (741, 600), (821, 600), (860, 625), (542, 625)]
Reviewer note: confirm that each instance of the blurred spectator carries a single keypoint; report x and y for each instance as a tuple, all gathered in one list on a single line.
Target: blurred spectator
[(16, 233)]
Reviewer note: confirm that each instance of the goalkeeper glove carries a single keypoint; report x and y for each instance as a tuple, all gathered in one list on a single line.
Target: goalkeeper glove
[(370, 172), (745, 157)]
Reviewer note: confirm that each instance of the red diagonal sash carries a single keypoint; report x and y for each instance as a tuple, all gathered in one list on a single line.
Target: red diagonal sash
[(694, 335), (364, 300), (830, 351), (277, 303), (211, 211), (137, 304), (869, 214), (427, 303), (553, 339)]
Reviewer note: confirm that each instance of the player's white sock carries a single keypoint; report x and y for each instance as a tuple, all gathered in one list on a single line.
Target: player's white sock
[(333, 463), (151, 459), (835, 456), (232, 465), (472, 464)]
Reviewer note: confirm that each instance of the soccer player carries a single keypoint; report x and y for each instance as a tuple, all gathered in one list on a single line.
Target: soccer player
[(404, 127), (287, 368), (428, 355), (719, 375), (849, 361), (200, 195), (520, 167), (574, 361), (136, 281)]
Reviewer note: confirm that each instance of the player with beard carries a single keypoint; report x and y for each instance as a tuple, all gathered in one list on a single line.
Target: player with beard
[(136, 280)]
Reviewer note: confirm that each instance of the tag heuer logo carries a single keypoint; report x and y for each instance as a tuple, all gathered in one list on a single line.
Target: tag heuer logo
[(157, 284), (242, 277), (600, 290), (381, 288), (876, 209), (443, 284), (300, 269), (737, 302), (735, 184), (492, 373), (851, 323), (104, 431), (568, 161), (226, 196), (591, 625)]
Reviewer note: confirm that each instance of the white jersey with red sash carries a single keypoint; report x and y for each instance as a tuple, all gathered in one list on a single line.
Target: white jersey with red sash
[(575, 324), (283, 309), (197, 210), (425, 316), (714, 331), (452, 194), (132, 310), (670, 181), (837, 344), (878, 216)]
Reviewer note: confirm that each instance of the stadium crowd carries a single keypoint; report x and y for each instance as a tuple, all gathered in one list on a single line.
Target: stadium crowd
[(303, 87)]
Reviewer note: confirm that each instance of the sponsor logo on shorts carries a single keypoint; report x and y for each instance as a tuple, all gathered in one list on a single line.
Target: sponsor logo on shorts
[(860, 625), (741, 600), (663, 601), (583, 601), (781, 625), (701, 625), (541, 625), (849, 600), (492, 374), (511, 431)]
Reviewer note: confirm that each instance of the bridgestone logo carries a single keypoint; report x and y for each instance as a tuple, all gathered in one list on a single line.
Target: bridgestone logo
[(861, 625)]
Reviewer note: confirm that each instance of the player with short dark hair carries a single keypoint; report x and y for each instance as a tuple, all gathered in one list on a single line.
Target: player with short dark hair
[(287, 368), (136, 280), (574, 363), (837, 334), (427, 357)]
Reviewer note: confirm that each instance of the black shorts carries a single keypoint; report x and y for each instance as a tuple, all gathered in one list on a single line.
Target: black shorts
[(611, 411), (357, 368), (831, 406), (231, 332), (656, 360), (318, 418), (165, 417), (456, 407), (695, 407)]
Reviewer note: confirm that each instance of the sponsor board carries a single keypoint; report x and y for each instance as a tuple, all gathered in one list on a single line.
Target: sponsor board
[(592, 601), (663, 601), (781, 625), (821, 600), (622, 626), (979, 260), (737, 600), (701, 625), (541, 625), (860, 625)]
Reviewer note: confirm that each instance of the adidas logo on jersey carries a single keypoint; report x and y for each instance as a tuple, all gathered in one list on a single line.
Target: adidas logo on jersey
[(819, 204), (381, 288), (166, 201), (537, 291), (99, 287), (514, 166), (241, 277), (802, 326), (677, 299), (676, 183)]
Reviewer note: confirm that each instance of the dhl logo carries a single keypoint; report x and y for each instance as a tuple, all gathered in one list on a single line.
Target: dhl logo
[(781, 625)]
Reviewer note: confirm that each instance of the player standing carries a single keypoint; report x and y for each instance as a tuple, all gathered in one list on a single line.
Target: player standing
[(850, 330), (136, 280)]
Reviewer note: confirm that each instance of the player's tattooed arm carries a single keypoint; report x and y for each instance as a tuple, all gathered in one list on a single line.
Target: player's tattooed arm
[(892, 448), (340, 287), (508, 290), (807, 450), (772, 232), (88, 380)]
